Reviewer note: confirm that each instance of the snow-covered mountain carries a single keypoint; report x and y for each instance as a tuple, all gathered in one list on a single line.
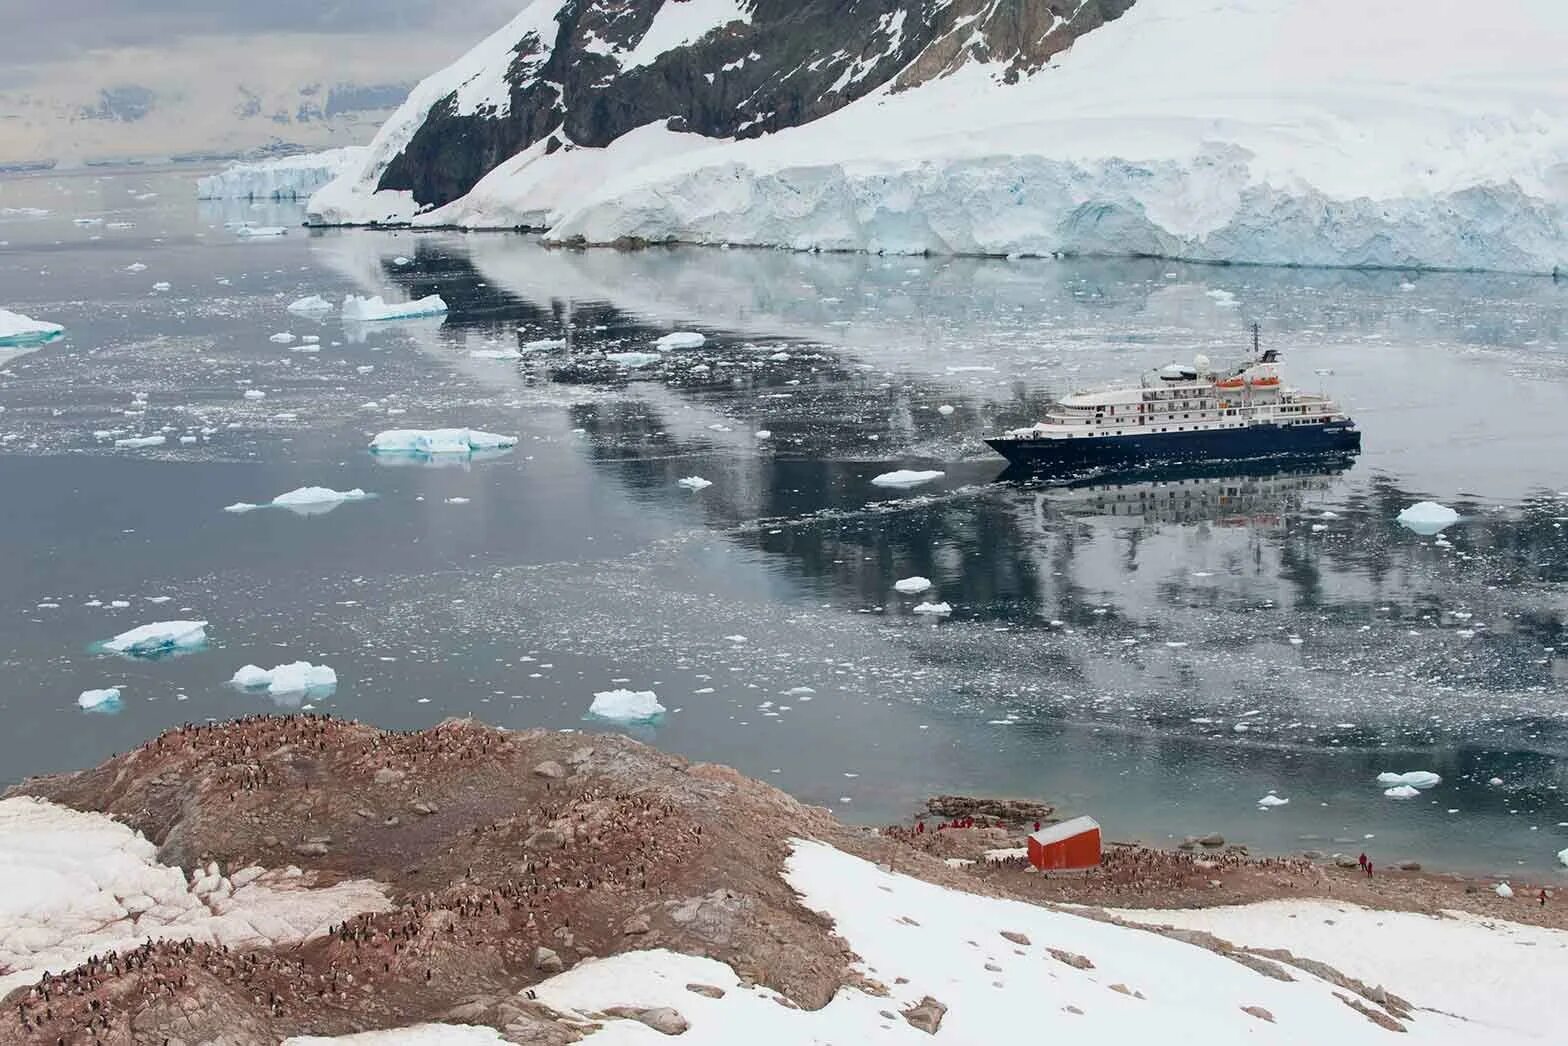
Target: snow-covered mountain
[(1316, 132)]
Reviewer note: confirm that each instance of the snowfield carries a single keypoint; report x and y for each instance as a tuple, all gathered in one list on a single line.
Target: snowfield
[(1075, 977), (1296, 132), (78, 884), (286, 178)]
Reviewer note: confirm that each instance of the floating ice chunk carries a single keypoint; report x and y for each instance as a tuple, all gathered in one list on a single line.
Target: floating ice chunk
[(633, 360), (495, 354), (1562, 856), (627, 706), (1402, 792), (161, 285), (544, 344), (253, 232), (240, 507), (457, 501), (17, 330), (945, 409), (438, 441), (682, 340), (912, 586), (135, 442), (255, 394), (161, 637), (763, 434), (1504, 890), (281, 338), (1413, 778), (373, 310), (106, 700), (1495, 782), (1273, 800), (1427, 518), (316, 500), (938, 609), (694, 483), (401, 261), (300, 677), (312, 305), (905, 478)]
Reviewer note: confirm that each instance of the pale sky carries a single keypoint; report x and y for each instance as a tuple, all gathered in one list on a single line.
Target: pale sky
[(94, 78)]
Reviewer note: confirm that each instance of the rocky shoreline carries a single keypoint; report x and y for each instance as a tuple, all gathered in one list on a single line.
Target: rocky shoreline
[(473, 864)]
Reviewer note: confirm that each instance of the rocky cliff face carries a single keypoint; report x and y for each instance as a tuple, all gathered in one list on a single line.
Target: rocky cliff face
[(585, 72)]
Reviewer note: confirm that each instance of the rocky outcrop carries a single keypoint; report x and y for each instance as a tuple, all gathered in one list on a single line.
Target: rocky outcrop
[(585, 72)]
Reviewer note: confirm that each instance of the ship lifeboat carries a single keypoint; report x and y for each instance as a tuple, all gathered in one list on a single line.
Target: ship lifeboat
[(1269, 382), (1229, 383)]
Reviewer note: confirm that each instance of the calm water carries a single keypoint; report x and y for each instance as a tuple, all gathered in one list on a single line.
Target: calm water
[(1160, 652)]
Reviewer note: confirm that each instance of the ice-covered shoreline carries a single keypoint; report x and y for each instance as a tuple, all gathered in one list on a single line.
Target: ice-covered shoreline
[(285, 178)]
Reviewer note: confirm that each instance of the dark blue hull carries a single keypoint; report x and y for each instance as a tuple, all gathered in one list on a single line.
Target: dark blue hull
[(1109, 452)]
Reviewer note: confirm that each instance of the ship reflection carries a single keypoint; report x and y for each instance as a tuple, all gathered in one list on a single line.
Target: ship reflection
[(1233, 493)]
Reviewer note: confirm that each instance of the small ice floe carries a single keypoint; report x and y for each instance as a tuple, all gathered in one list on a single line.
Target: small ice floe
[(136, 267), (255, 394), (912, 586), (281, 338), (694, 483), (240, 507), (1427, 518), (633, 360), (161, 637), (300, 677), (374, 310), (495, 354), (251, 232), (310, 501), (457, 501), (1272, 800), (945, 409), (544, 344), (682, 340), (1504, 890), (1562, 857), (432, 442), (626, 706), (137, 442), (17, 330), (1402, 792), (762, 434), (105, 700), (310, 305), (401, 261), (1496, 782), (1413, 778), (1224, 299), (161, 285), (936, 609), (905, 478)]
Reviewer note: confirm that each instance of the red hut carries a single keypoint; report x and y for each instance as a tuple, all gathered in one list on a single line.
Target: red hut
[(1068, 845)]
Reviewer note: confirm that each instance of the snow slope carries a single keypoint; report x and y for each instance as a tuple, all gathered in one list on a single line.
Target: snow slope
[(286, 178), (78, 884), (1420, 133)]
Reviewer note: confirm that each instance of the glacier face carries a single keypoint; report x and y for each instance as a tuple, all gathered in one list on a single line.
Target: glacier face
[(286, 178), (1293, 132)]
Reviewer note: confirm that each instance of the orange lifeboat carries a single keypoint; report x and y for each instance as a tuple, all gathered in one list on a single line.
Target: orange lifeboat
[(1229, 383), (1271, 382)]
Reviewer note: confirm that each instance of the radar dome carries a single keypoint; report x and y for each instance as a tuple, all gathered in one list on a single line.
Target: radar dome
[(1201, 362)]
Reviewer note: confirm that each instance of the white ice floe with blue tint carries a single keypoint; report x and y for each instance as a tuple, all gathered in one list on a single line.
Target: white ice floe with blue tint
[(375, 310), (159, 638), (434, 442), (106, 700), (627, 706), (297, 679), (18, 331), (1427, 518)]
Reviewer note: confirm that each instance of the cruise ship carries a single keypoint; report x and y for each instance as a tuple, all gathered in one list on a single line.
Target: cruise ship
[(1184, 413)]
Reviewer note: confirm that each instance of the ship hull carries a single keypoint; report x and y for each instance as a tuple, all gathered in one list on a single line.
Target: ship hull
[(1244, 444)]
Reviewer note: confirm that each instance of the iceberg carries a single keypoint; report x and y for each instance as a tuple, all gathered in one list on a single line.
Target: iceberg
[(17, 331), (682, 340), (905, 478), (161, 637), (300, 677), (286, 178), (1413, 778), (106, 700), (252, 232), (694, 483), (936, 609), (1402, 792), (912, 586), (314, 501), (137, 442), (1273, 800), (1427, 518), (438, 441), (311, 305), (374, 310), (626, 706)]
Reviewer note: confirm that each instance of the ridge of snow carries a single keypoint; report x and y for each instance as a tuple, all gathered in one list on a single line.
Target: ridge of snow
[(78, 884)]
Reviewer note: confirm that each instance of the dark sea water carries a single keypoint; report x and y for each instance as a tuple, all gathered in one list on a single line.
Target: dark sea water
[(1158, 650)]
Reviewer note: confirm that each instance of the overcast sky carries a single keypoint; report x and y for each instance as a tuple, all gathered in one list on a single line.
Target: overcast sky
[(44, 31)]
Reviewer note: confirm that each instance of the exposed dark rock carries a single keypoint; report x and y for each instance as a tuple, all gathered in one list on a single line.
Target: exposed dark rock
[(926, 1015), (1013, 811)]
